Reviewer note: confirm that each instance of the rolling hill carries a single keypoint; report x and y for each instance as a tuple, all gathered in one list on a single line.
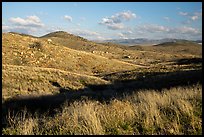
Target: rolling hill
[(138, 55), (21, 50), (29, 63)]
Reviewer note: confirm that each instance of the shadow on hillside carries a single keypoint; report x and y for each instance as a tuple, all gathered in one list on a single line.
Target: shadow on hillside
[(187, 61), (48, 103)]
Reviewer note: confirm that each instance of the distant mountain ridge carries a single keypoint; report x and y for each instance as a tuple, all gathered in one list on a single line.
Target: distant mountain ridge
[(129, 42), (141, 41)]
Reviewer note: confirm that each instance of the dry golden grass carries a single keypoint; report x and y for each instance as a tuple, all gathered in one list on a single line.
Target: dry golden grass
[(16, 50), (24, 80), (177, 111), (144, 55)]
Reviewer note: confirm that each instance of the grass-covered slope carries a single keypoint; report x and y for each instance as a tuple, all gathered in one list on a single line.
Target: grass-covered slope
[(24, 80), (22, 50)]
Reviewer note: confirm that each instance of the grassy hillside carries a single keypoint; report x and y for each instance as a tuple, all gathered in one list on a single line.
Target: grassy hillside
[(23, 80), (139, 55), (65, 35), (22, 50), (179, 48)]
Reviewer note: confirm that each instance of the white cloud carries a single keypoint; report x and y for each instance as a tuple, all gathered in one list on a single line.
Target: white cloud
[(28, 25), (122, 36), (192, 16), (69, 18), (196, 16), (82, 33), (19, 29), (5, 28), (152, 28), (167, 19), (49, 29), (126, 15), (128, 32), (188, 30), (107, 21), (31, 21), (115, 21), (100, 38), (183, 13), (159, 31), (88, 34), (115, 26)]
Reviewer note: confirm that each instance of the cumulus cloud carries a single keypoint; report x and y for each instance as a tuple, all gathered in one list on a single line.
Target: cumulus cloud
[(28, 25), (126, 15), (186, 32), (159, 31), (19, 29), (196, 16), (192, 16), (30, 21), (68, 18), (115, 21)]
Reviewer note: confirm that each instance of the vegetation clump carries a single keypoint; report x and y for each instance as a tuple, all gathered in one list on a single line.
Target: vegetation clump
[(36, 45)]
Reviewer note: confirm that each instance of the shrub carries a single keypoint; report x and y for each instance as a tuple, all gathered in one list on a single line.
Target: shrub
[(37, 45)]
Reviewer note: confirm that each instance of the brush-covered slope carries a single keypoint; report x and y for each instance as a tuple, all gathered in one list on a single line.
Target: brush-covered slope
[(22, 50), (180, 47), (139, 55), (23, 80), (63, 34), (109, 50)]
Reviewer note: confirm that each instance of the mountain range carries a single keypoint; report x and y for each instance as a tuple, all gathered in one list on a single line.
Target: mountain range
[(145, 41)]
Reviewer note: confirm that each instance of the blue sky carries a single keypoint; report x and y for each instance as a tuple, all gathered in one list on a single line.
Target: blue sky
[(106, 20)]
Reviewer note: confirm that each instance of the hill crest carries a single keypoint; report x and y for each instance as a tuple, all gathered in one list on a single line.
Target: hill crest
[(63, 34)]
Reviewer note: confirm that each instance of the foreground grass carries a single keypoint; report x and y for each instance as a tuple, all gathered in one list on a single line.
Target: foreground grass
[(172, 111)]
